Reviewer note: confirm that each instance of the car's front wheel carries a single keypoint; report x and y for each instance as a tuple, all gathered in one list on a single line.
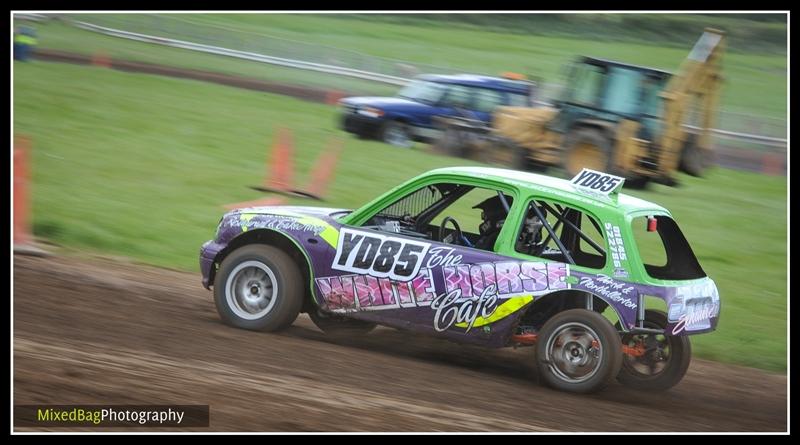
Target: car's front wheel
[(396, 133), (258, 287), (578, 351)]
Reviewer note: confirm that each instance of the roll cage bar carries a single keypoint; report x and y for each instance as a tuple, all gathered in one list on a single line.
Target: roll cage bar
[(561, 214)]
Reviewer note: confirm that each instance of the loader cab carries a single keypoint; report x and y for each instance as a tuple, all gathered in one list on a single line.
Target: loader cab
[(609, 91)]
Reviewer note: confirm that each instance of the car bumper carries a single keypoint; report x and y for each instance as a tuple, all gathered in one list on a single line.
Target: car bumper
[(208, 252), (363, 125)]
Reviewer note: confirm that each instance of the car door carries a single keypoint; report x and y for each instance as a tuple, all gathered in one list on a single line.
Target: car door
[(456, 102), (485, 101), (404, 267), (591, 248)]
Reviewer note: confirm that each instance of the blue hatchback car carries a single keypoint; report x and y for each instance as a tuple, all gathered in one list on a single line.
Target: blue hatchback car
[(409, 116)]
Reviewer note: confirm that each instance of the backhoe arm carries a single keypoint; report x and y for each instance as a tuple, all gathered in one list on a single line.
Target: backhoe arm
[(698, 78)]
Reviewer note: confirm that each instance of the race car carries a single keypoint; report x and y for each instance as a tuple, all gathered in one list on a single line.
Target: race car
[(484, 256)]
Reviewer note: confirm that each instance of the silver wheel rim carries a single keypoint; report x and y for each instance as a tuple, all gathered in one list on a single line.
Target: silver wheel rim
[(657, 354), (251, 289), (574, 352), (395, 135)]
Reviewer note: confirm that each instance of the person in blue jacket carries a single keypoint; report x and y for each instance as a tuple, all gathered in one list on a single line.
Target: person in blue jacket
[(24, 42)]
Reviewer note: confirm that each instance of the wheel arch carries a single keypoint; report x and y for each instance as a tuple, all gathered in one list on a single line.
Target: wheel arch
[(546, 307), (607, 128), (279, 240), (397, 117)]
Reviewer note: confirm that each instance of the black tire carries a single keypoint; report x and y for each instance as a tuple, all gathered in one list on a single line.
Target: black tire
[(553, 359), (588, 148), (677, 348), (535, 167), (511, 154), (396, 133), (249, 269), (338, 325), (637, 183)]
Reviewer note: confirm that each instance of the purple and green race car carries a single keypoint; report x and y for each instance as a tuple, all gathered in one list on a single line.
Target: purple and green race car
[(483, 256)]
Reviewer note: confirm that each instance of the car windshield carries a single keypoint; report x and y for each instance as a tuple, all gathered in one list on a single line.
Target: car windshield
[(423, 91)]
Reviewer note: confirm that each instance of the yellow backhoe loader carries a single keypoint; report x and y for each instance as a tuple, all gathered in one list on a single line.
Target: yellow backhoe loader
[(632, 121)]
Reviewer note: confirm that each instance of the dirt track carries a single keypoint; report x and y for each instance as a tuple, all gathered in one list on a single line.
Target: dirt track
[(111, 332)]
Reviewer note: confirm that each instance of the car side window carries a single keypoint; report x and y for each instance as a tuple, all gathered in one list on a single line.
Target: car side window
[(588, 85), (458, 96), (450, 213), (411, 214), (518, 100), (414, 204), (487, 100), (464, 210), (559, 232)]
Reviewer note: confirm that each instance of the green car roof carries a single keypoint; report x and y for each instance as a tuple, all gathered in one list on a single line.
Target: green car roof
[(554, 187)]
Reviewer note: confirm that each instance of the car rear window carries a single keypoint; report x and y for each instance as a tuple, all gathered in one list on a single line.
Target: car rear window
[(665, 253)]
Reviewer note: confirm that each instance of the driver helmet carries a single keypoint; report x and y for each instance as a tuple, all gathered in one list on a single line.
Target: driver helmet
[(493, 213)]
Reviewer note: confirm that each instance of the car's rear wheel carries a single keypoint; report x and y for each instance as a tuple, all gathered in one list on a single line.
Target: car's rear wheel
[(664, 358), (258, 287), (578, 351)]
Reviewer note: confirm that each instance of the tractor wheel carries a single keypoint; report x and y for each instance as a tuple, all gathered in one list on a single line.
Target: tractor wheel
[(506, 153), (452, 143), (694, 160), (588, 148)]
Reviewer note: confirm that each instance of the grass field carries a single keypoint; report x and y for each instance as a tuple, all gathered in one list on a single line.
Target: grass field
[(141, 165), (746, 32), (755, 82)]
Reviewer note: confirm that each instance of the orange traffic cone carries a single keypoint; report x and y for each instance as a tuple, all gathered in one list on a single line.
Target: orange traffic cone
[(322, 174), (280, 164), (21, 223), (23, 240)]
